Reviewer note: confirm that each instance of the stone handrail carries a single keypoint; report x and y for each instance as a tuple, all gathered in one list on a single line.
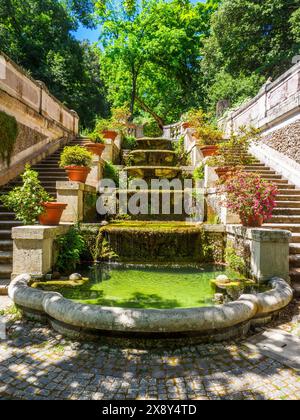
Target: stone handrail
[(35, 95), (276, 104)]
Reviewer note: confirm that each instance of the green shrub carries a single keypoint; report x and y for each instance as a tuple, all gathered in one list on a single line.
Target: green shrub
[(234, 261), (182, 156), (8, 135), (198, 174), (129, 143), (26, 200), (75, 156), (70, 247), (152, 129), (111, 172)]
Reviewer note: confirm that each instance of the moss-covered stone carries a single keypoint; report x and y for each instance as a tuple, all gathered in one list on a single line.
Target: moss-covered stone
[(58, 285)]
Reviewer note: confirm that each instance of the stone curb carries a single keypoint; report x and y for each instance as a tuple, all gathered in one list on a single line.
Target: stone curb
[(200, 320)]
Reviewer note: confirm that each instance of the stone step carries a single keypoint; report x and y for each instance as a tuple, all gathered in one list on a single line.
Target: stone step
[(288, 197), (294, 249), (5, 271), (288, 204), (259, 166), (283, 211), (295, 261), (7, 216), (6, 257), (5, 234), (288, 191), (292, 227), (262, 172), (296, 287), (4, 283), (295, 238), (285, 219), (6, 245), (284, 187), (9, 224)]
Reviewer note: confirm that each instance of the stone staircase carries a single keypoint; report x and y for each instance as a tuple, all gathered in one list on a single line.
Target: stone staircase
[(49, 172), (285, 216)]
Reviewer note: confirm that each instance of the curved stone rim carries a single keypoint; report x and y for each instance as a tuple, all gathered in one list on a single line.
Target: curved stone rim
[(199, 320)]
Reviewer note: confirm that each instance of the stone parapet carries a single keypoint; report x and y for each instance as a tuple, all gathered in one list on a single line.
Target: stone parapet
[(266, 251), (34, 248), (80, 199)]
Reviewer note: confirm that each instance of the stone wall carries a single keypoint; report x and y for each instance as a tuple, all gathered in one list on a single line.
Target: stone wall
[(42, 119), (286, 141), (276, 105)]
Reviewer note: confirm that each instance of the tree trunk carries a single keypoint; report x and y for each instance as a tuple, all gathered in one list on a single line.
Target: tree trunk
[(146, 108), (133, 95)]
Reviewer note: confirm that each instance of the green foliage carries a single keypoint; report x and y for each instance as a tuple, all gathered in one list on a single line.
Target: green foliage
[(295, 25), (26, 200), (151, 54), (75, 156), (234, 89), (206, 132), (69, 247), (151, 129), (8, 136), (111, 172), (198, 174), (38, 35), (129, 143), (182, 155), (234, 261), (252, 37)]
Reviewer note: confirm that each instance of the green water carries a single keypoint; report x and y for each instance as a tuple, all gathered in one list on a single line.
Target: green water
[(148, 287)]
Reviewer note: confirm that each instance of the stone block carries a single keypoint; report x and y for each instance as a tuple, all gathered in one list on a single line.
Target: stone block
[(33, 248), (73, 194)]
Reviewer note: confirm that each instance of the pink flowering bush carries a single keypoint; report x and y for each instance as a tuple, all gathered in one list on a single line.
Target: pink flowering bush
[(249, 196)]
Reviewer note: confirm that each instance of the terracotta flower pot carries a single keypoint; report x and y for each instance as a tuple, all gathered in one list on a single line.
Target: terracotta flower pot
[(95, 148), (252, 221), (224, 172), (52, 214), (209, 150), (110, 134), (77, 173), (186, 125)]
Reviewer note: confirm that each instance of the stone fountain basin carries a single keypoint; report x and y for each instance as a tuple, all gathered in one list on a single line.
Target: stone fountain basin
[(210, 323), (153, 172), (154, 144), (153, 157)]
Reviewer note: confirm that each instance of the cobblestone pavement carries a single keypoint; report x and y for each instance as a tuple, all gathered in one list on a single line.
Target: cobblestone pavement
[(36, 363)]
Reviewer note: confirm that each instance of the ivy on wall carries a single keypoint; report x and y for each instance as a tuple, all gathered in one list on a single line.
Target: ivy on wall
[(8, 135)]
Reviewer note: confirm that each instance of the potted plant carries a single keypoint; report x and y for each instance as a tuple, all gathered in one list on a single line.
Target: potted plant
[(96, 145), (233, 153), (31, 202), (106, 129), (251, 197), (77, 162), (207, 135)]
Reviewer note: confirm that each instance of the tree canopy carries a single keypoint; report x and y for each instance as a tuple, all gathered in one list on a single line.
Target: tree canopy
[(157, 57), (37, 34)]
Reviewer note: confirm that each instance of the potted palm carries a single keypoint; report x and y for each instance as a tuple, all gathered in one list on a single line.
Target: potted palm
[(77, 162), (31, 202), (251, 197)]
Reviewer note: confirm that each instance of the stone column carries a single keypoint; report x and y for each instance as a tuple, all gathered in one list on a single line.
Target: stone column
[(75, 194), (269, 254), (96, 173), (34, 250)]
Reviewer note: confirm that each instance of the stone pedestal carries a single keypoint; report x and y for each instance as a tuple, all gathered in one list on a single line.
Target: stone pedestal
[(80, 198), (34, 249), (96, 173), (265, 251), (269, 254)]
